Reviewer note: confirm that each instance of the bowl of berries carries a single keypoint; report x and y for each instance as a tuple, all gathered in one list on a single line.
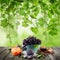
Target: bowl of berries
[(32, 43)]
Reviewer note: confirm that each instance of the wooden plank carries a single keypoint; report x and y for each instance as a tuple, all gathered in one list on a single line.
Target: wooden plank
[(51, 57), (3, 54), (58, 50), (2, 49), (56, 53), (17, 58), (6, 55)]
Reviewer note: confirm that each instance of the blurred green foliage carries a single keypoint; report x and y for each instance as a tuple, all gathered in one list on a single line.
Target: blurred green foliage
[(38, 14)]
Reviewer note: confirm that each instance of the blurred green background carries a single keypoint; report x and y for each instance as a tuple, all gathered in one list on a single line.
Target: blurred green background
[(20, 19)]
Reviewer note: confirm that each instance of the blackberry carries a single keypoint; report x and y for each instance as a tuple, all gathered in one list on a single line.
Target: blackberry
[(24, 42), (30, 52), (24, 48), (38, 41), (31, 40)]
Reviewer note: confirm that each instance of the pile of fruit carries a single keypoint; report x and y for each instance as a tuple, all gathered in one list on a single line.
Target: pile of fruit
[(29, 47), (31, 40)]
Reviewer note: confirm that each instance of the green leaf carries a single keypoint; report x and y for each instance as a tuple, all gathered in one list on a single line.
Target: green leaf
[(49, 14), (4, 23), (22, 11), (45, 1), (10, 7), (33, 16), (25, 24), (41, 22), (53, 32), (34, 29), (52, 1)]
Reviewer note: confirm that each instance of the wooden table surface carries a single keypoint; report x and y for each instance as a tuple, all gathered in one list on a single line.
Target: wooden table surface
[(6, 55)]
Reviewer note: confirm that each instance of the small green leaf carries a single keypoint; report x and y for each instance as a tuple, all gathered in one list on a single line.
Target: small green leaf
[(24, 24), (53, 32), (34, 29), (33, 16), (22, 12), (4, 23), (41, 22), (52, 1)]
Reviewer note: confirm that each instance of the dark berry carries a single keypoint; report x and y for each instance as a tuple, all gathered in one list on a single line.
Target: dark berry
[(30, 52), (31, 40), (24, 48)]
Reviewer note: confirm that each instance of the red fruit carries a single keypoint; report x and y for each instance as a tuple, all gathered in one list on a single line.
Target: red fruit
[(16, 51)]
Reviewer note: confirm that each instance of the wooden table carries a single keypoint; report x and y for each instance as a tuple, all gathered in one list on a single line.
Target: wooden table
[(6, 55)]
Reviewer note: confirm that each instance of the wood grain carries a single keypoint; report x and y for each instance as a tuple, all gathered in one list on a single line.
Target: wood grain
[(6, 55)]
